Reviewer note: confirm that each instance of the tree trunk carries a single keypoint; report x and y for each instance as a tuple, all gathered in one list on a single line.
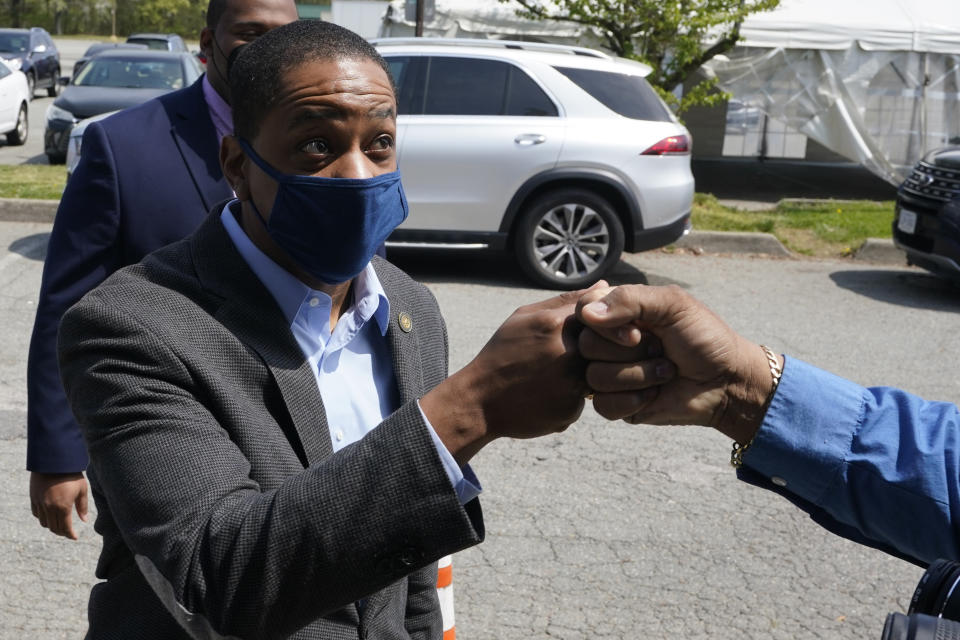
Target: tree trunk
[(16, 10)]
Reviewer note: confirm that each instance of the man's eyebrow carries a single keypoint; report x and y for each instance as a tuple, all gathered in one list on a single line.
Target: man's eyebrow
[(250, 24), (311, 115), (382, 114)]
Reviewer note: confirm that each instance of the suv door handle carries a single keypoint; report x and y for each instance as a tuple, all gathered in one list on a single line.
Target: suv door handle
[(530, 139)]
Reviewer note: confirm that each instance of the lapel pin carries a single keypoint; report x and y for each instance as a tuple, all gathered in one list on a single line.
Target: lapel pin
[(406, 323)]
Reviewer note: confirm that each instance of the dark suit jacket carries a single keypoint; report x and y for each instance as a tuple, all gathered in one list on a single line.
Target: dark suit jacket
[(146, 178), (219, 500)]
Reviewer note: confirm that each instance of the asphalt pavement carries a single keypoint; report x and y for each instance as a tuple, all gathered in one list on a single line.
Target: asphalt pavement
[(608, 530)]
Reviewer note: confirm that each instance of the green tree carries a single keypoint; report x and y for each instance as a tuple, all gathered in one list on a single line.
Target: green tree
[(674, 37)]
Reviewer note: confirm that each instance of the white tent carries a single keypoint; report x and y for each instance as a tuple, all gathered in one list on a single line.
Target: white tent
[(877, 81), (875, 25)]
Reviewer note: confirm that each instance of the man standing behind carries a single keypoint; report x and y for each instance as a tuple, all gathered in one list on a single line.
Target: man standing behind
[(147, 177)]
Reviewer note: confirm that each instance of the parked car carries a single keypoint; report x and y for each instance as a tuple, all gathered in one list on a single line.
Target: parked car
[(563, 155), (33, 52), (14, 110), (76, 140), (159, 41), (100, 47), (927, 220), (114, 80)]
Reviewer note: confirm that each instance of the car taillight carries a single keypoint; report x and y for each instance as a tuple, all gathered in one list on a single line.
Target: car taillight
[(674, 145)]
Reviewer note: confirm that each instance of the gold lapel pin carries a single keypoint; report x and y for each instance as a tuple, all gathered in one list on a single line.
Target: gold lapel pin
[(406, 323)]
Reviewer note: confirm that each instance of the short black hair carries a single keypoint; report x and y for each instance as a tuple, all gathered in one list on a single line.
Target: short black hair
[(214, 12), (257, 73)]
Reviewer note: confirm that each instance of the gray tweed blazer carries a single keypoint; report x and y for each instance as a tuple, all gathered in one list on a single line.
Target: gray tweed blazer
[(223, 511)]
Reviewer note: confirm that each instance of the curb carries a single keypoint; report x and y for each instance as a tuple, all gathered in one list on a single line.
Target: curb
[(881, 251), (733, 242), (27, 210), (875, 250)]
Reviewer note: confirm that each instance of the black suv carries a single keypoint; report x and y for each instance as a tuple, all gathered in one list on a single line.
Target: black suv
[(33, 52), (927, 222)]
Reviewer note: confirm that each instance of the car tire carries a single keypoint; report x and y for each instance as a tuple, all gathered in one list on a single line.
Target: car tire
[(19, 135), (568, 239), (54, 89), (31, 85)]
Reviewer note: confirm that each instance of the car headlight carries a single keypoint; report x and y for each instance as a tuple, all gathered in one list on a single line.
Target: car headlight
[(56, 113), (73, 152), (14, 63)]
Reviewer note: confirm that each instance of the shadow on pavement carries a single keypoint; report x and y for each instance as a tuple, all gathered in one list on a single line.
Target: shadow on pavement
[(31, 247), (920, 290), (38, 159), (480, 266)]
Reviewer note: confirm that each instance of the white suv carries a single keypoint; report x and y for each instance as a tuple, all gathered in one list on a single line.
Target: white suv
[(564, 155)]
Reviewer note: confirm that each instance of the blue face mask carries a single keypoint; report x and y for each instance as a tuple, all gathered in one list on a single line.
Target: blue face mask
[(332, 226)]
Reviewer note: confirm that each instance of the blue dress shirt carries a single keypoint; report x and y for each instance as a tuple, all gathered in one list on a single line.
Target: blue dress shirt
[(352, 363), (883, 465)]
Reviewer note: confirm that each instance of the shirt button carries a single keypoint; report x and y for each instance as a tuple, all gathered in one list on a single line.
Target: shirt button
[(314, 301), (339, 435), (777, 480)]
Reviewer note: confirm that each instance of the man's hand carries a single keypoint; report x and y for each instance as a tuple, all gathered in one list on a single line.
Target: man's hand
[(722, 380), (527, 381), (53, 497)]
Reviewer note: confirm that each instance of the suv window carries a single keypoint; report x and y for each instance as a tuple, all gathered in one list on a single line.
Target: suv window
[(628, 95), (467, 87)]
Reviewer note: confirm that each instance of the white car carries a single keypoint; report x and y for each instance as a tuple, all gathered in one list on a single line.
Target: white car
[(14, 105), (564, 155)]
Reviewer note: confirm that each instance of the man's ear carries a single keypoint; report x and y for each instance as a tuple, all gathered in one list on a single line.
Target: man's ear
[(206, 43), (233, 162)]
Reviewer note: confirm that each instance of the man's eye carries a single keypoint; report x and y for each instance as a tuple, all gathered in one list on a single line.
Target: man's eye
[(382, 143), (318, 147), (248, 36)]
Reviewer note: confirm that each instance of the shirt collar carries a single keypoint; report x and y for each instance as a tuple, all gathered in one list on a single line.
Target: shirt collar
[(369, 299), (220, 112)]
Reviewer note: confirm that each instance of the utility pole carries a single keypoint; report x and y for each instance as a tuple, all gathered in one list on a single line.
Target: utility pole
[(113, 21), (419, 27)]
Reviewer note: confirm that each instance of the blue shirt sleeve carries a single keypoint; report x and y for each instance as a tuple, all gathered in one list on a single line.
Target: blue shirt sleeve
[(464, 481), (879, 460)]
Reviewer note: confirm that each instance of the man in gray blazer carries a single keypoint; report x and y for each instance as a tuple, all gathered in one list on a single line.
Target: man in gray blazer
[(275, 448)]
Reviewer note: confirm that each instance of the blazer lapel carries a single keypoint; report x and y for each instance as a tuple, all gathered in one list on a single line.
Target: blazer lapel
[(250, 311), (195, 136), (403, 337)]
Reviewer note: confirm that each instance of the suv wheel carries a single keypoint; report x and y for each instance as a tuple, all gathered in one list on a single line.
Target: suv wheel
[(31, 85), (19, 135), (54, 89), (568, 239)]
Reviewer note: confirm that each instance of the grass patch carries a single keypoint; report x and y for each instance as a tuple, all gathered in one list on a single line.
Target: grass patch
[(816, 228), (32, 181)]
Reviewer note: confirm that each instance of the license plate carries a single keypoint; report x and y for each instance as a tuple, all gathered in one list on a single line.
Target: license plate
[(907, 221)]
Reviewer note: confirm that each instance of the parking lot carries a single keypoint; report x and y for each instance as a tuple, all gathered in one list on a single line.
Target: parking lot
[(605, 531), (32, 152), (608, 530)]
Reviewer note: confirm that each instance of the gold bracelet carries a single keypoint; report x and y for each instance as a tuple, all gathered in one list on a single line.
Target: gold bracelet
[(736, 455)]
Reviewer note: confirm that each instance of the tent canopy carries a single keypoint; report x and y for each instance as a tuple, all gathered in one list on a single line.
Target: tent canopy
[(877, 25)]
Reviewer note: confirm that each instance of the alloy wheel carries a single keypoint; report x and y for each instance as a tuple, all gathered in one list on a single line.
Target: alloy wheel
[(570, 241)]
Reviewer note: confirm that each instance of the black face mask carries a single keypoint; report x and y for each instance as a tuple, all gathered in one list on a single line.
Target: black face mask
[(230, 60), (233, 56)]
